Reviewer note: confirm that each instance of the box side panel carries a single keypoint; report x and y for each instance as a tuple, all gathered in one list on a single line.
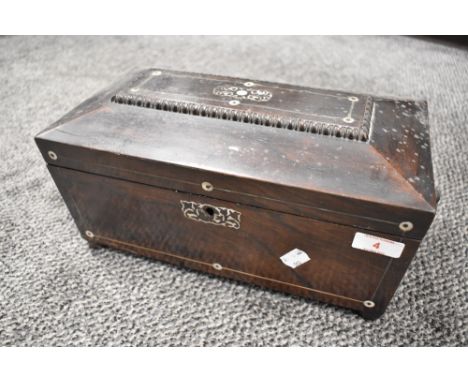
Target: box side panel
[(233, 240), (400, 133), (94, 103)]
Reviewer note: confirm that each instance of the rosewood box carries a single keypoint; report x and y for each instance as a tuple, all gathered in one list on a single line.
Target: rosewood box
[(317, 193)]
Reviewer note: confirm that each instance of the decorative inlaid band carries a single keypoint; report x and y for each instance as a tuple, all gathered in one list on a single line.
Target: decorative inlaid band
[(247, 116), (206, 213), (135, 247)]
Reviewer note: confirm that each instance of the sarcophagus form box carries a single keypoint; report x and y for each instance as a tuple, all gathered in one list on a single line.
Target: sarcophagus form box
[(317, 193)]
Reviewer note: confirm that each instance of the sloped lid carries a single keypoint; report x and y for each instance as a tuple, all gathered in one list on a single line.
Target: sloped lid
[(341, 157)]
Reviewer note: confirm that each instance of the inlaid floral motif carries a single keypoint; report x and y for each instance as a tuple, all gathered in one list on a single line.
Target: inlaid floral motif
[(238, 92)]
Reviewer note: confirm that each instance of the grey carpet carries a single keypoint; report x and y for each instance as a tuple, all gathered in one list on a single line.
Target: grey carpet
[(54, 290)]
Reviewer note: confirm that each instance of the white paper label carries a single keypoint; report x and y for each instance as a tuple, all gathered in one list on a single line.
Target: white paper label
[(378, 245), (294, 258)]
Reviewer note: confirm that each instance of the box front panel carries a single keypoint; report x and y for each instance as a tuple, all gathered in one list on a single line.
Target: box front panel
[(282, 251)]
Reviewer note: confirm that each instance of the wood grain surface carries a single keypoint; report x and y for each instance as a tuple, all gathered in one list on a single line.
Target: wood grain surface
[(303, 168)]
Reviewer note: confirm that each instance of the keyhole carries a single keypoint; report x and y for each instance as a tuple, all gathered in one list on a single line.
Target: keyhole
[(209, 210)]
